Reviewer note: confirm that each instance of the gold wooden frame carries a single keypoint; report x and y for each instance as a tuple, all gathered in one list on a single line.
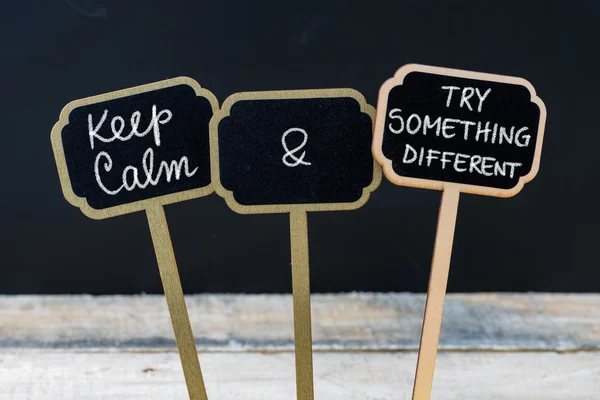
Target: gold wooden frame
[(275, 95), (63, 173)]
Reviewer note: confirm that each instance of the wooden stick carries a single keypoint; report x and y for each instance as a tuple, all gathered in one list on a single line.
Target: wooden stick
[(169, 275), (434, 306), (301, 299)]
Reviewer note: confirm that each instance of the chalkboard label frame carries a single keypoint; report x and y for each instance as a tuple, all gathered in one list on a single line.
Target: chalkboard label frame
[(397, 179), (225, 111), (59, 154)]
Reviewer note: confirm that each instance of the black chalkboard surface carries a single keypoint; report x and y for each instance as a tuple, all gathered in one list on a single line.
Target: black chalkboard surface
[(119, 151), (481, 131), (308, 148)]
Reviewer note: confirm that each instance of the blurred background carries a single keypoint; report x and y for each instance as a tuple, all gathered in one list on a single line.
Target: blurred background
[(544, 239)]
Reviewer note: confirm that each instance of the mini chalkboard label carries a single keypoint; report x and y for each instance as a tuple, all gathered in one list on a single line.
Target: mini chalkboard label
[(437, 126), (456, 131), (292, 152), (139, 149), (305, 149), (119, 152)]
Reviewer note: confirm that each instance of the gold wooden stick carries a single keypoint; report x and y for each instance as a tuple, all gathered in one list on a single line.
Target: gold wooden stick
[(169, 275), (438, 280), (301, 296)]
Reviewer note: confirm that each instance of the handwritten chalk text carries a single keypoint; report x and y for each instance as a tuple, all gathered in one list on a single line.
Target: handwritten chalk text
[(489, 132), (131, 177)]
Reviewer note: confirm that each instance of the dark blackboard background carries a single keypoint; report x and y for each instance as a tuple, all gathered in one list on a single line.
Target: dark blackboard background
[(543, 239)]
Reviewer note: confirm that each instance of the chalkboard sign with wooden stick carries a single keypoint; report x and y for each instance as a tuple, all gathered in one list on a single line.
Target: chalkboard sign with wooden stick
[(456, 131), (293, 152), (139, 149)]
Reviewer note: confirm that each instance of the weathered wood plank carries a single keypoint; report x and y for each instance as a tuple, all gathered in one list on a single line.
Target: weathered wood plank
[(561, 322), (35, 374)]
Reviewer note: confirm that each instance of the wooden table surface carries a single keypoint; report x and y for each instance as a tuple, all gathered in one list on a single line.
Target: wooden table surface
[(493, 346)]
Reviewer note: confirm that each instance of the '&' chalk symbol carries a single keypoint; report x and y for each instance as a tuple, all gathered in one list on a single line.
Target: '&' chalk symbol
[(291, 153)]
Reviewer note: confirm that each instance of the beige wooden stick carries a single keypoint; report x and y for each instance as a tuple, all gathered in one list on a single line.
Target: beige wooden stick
[(301, 299), (438, 280), (169, 275)]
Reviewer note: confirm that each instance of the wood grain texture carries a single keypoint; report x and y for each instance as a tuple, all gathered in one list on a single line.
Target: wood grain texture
[(301, 303), (436, 293), (358, 321), (35, 374), (169, 275)]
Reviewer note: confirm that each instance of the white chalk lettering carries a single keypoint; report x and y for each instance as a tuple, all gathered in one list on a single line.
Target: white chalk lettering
[(504, 136), (446, 127), (408, 149), (445, 160), (512, 166), (485, 131), (117, 126), (459, 162), (292, 153), (500, 169), (449, 89), (130, 176), (467, 124), (482, 97), (487, 163), (526, 138), (395, 114), (473, 165), (431, 155), (428, 125), (457, 130), (466, 94), (412, 118), (93, 131)]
